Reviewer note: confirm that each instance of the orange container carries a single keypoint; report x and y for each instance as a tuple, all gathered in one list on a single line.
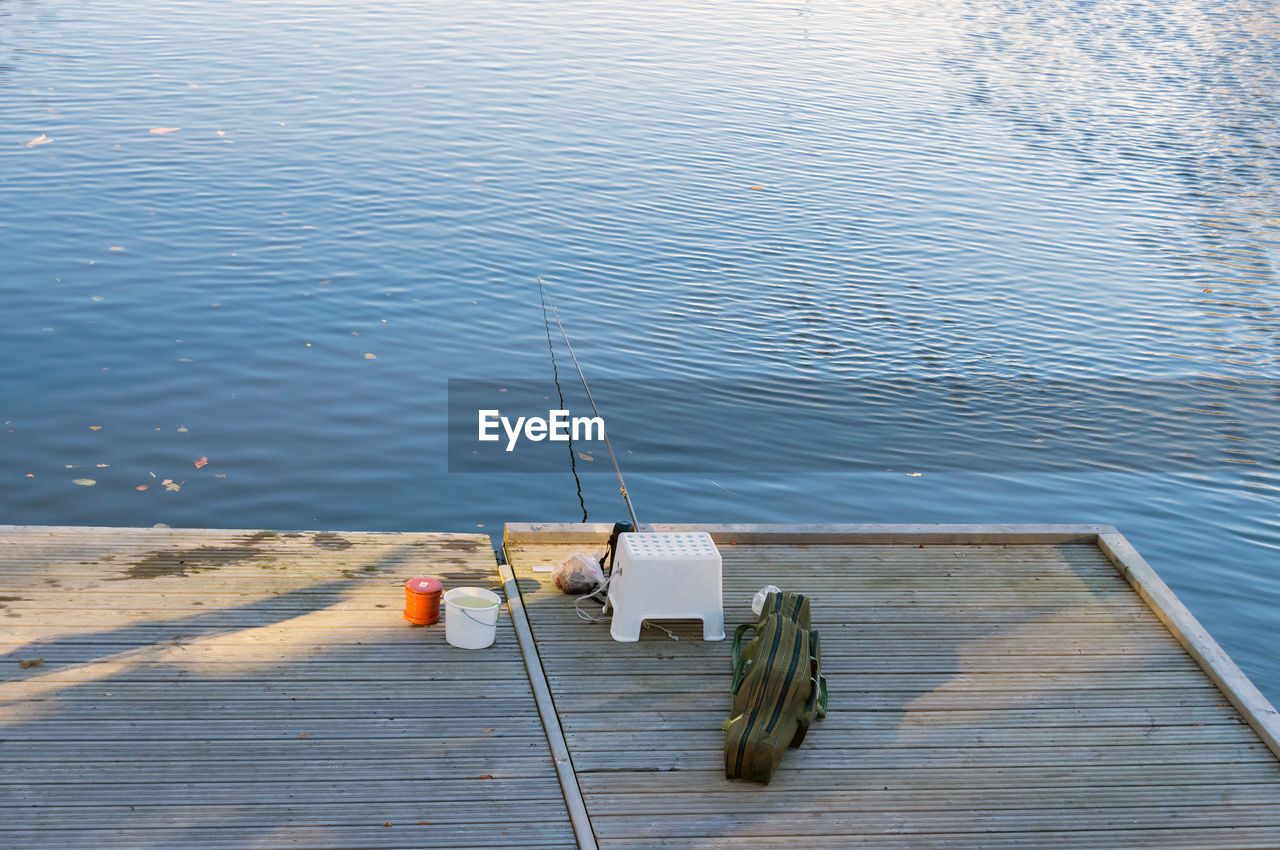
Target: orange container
[(422, 600)]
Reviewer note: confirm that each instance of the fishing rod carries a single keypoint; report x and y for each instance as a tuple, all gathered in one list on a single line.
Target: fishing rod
[(555, 376), (604, 432)]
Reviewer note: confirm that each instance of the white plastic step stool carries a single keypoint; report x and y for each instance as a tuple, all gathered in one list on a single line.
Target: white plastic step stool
[(665, 576)]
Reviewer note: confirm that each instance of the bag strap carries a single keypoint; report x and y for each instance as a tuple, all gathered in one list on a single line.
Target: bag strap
[(611, 548), (739, 663), (819, 700)]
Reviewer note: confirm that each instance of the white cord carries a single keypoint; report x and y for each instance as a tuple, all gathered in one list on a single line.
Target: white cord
[(602, 587), (594, 595)]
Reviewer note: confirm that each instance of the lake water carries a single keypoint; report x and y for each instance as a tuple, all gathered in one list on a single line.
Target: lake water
[(269, 235)]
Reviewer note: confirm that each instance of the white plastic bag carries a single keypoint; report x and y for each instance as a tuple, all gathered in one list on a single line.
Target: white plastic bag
[(580, 573), (757, 602)]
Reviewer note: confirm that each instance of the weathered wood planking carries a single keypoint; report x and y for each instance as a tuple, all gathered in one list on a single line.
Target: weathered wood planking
[(258, 689), (991, 687)]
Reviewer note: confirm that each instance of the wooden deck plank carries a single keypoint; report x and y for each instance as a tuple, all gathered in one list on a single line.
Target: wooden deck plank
[(254, 791), (782, 820), (909, 720), (284, 770), (541, 814), (914, 700), (853, 777), (934, 738), (1046, 798), (999, 669), (1229, 838), (1154, 756), (391, 835), (240, 688)]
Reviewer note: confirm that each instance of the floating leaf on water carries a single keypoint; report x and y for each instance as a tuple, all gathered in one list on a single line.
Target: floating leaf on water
[(30, 475), (588, 458), (201, 462), (102, 465), (95, 427), (160, 131), (116, 247), (220, 132), (914, 474), (30, 662), (97, 298), (371, 357), (141, 487), (304, 734), (219, 475), (84, 482), (172, 485), (758, 188), (182, 429), (41, 139)]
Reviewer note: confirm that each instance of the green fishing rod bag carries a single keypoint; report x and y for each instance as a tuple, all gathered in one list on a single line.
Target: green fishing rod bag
[(778, 688)]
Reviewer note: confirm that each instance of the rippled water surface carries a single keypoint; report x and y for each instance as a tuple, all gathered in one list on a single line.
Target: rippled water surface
[(269, 234)]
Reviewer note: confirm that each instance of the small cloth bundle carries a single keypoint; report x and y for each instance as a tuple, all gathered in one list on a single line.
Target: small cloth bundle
[(778, 688)]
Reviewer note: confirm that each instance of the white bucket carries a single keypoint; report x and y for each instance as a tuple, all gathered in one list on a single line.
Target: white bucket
[(472, 624)]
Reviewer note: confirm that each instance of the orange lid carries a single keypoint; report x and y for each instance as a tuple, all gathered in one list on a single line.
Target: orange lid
[(424, 584)]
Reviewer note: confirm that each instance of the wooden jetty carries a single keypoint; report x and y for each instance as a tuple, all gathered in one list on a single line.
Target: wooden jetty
[(991, 687)]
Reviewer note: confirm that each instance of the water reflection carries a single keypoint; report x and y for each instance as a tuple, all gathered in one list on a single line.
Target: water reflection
[(980, 197)]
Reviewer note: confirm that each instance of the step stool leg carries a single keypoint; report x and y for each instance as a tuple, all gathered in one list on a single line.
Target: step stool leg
[(625, 629)]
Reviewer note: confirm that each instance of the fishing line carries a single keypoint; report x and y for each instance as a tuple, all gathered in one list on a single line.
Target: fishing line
[(622, 485), (555, 374)]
